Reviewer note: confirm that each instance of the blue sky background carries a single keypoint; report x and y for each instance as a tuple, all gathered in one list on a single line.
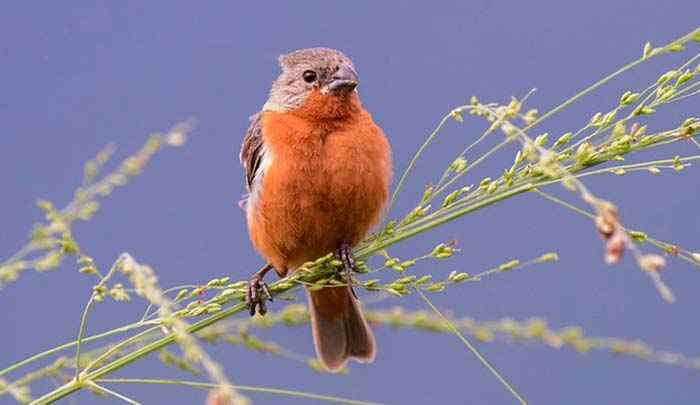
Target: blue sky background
[(76, 76)]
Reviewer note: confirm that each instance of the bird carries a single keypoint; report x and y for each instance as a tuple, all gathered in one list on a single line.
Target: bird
[(317, 174)]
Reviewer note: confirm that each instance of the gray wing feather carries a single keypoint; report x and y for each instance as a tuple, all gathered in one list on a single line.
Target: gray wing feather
[(252, 151)]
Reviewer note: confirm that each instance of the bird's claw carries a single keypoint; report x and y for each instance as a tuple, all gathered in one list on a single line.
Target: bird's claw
[(257, 295), (346, 257)]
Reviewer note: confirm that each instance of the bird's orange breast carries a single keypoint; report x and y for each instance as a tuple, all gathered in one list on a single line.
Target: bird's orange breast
[(326, 181)]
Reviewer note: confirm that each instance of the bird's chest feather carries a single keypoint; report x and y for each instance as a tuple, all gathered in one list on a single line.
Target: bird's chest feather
[(323, 183), (325, 168)]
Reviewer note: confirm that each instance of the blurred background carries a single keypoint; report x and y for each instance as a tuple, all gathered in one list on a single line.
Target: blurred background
[(77, 76)]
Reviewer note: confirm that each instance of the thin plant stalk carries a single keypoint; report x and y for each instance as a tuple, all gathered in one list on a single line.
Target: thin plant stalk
[(473, 349)]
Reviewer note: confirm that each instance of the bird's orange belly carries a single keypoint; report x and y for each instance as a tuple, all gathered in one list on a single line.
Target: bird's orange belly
[(298, 218)]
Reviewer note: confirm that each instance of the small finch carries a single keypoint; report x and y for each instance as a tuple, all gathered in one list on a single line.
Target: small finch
[(317, 171)]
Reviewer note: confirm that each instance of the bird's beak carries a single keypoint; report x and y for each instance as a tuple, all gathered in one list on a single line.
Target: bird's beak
[(344, 80)]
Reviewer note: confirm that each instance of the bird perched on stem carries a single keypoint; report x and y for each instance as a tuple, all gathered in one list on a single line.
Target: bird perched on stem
[(317, 171)]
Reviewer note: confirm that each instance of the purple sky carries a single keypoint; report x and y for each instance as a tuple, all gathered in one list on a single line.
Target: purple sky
[(75, 77)]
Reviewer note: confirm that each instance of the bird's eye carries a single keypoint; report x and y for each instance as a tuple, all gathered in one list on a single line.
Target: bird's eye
[(309, 76)]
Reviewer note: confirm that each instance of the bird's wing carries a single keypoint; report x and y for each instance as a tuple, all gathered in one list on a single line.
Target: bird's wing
[(252, 151)]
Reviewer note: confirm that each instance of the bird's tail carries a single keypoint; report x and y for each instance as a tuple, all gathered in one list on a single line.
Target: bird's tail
[(339, 328)]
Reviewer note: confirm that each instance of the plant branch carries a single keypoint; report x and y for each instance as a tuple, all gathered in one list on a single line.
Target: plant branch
[(244, 388)]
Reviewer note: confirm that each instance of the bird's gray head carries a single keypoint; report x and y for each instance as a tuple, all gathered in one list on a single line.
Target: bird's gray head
[(327, 71)]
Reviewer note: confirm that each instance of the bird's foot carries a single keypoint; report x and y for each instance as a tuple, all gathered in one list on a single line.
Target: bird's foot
[(258, 293), (346, 257)]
